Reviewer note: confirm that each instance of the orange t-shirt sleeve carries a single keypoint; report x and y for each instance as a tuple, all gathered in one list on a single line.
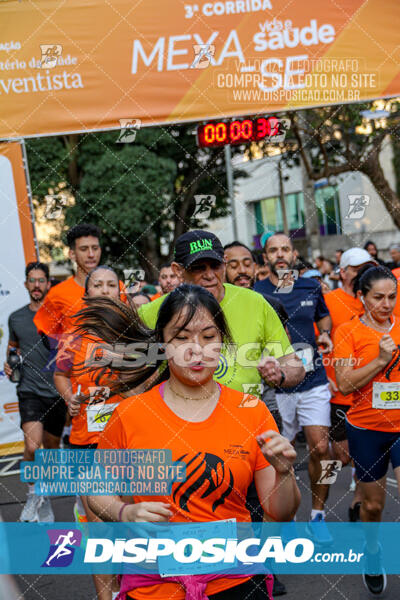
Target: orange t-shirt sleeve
[(334, 306), (265, 422), (343, 341), (396, 273), (48, 319), (55, 316), (122, 292), (113, 436)]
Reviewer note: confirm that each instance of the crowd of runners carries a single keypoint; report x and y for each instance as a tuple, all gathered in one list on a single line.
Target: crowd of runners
[(252, 351)]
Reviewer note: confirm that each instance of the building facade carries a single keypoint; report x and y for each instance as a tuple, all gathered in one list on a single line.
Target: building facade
[(349, 209)]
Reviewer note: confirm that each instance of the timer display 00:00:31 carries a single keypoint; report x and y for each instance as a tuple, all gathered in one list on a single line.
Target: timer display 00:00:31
[(219, 133)]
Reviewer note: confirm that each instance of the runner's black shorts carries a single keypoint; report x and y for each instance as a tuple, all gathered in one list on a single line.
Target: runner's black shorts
[(372, 451), (252, 589), (51, 412), (337, 430)]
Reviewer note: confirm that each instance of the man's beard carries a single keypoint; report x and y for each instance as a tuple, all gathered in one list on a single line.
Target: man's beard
[(275, 271), (251, 280), (38, 298)]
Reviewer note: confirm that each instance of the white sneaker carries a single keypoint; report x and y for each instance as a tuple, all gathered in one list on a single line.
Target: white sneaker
[(30, 511), (45, 511)]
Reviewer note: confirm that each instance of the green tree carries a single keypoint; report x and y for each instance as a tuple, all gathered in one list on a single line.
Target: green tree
[(48, 161), (141, 194), (333, 140), (337, 139)]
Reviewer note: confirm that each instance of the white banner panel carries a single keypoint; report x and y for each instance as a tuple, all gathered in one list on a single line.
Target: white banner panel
[(17, 248)]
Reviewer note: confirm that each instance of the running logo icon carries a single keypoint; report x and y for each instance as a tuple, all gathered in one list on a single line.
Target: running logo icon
[(204, 204), (129, 129), (132, 279), (50, 54), (62, 547), (203, 56), (251, 391), (286, 279), (357, 205), (54, 206), (329, 471), (99, 394), (279, 130), (62, 355)]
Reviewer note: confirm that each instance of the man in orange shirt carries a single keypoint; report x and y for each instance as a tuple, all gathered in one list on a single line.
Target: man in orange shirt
[(343, 306), (54, 318)]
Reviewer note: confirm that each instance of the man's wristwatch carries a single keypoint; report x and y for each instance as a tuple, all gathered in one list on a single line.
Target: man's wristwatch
[(283, 378)]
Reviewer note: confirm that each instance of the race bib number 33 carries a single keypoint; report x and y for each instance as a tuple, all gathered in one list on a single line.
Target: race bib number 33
[(386, 395)]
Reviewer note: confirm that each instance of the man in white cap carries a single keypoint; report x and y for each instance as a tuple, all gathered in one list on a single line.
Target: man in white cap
[(343, 306)]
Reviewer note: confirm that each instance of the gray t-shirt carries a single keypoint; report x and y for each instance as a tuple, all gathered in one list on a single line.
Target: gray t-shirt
[(35, 377)]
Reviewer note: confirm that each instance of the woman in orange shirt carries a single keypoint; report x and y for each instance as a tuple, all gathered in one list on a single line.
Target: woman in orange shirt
[(225, 437), (89, 400), (367, 357), (70, 375)]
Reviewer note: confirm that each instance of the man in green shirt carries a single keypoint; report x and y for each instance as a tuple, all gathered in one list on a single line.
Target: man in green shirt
[(261, 349)]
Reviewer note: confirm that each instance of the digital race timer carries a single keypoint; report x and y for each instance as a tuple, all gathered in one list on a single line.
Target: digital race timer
[(240, 131)]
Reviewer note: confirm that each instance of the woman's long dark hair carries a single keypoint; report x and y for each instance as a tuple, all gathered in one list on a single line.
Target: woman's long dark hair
[(120, 326)]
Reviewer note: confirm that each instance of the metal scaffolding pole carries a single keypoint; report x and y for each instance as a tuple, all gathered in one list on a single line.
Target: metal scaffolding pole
[(229, 177)]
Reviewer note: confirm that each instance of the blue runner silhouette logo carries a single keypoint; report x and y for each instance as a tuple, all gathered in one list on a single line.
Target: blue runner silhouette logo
[(62, 547)]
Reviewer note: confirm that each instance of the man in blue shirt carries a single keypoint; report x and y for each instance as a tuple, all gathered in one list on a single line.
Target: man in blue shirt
[(308, 403)]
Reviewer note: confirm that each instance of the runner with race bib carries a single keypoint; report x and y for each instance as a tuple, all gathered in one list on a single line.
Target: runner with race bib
[(367, 355), (89, 399), (205, 425)]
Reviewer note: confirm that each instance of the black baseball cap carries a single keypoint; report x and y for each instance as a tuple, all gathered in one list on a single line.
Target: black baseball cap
[(197, 245)]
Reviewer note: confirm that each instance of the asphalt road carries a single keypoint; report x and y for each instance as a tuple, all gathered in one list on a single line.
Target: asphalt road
[(299, 587)]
